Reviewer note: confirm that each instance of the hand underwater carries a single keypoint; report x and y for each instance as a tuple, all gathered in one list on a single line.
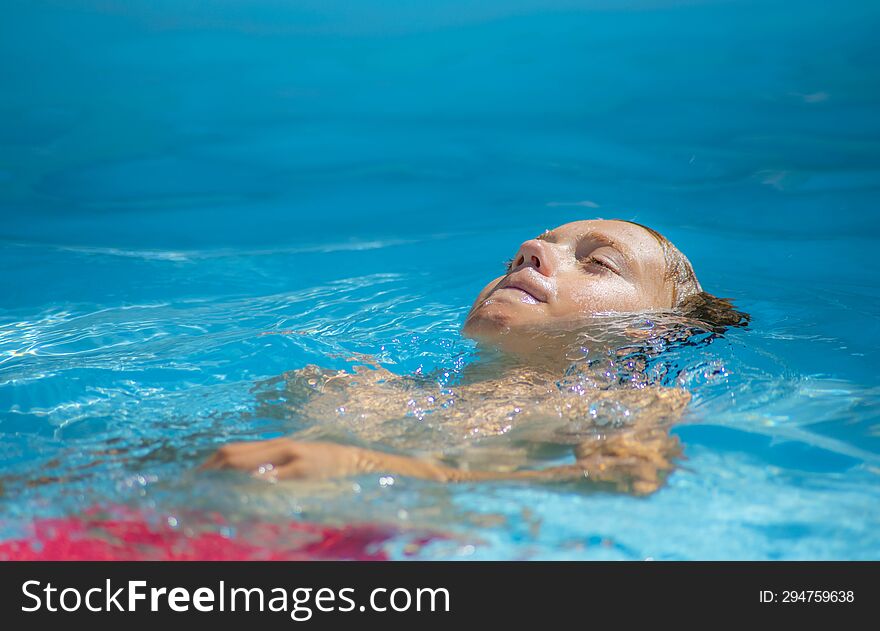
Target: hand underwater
[(284, 458)]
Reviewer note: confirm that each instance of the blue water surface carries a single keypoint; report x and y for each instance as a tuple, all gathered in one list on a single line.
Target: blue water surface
[(179, 178)]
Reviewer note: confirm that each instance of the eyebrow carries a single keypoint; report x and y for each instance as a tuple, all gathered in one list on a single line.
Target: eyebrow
[(624, 250)]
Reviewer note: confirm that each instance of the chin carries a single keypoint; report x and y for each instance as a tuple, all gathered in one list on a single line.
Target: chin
[(488, 321), (493, 320)]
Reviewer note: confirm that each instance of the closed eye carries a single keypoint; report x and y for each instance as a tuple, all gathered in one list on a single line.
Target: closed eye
[(592, 261)]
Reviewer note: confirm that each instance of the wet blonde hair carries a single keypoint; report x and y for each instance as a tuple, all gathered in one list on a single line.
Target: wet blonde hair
[(688, 297)]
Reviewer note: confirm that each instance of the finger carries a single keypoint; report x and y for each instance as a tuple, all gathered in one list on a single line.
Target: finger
[(209, 463), (270, 452), (296, 470), (224, 453), (215, 459), (293, 470), (233, 450)]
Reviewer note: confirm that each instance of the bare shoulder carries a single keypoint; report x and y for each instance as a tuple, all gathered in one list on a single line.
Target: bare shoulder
[(644, 404), (660, 399), (321, 380)]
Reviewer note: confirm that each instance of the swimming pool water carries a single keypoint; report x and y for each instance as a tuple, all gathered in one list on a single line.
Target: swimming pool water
[(178, 179)]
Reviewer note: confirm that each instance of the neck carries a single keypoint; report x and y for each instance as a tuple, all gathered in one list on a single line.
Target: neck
[(552, 350)]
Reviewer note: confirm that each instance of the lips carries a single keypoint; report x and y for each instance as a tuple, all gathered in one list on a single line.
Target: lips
[(521, 282), (525, 292)]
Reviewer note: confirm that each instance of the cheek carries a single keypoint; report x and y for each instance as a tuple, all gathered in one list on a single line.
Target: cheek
[(600, 293), (486, 291), (485, 318)]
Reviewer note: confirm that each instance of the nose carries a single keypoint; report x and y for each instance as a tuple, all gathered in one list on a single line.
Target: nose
[(538, 255)]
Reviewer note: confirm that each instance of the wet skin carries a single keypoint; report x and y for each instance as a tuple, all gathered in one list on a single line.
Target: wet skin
[(552, 282), (579, 268)]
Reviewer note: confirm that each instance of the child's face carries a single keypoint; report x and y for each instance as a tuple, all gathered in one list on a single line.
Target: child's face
[(577, 269)]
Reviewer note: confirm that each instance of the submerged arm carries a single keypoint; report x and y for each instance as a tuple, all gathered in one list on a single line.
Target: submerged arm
[(625, 461), (633, 460)]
